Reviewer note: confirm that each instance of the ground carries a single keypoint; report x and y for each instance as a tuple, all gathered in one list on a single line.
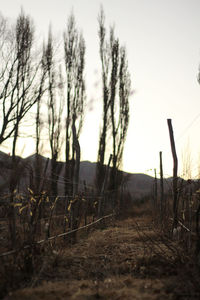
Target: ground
[(125, 259)]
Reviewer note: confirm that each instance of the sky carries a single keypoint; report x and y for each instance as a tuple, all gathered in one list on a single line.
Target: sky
[(162, 38)]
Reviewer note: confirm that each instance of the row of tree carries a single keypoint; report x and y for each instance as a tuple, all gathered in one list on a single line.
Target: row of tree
[(50, 79)]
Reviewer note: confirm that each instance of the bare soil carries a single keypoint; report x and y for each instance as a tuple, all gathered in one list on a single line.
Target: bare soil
[(126, 260)]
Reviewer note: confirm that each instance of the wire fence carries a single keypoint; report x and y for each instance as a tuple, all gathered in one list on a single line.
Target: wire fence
[(24, 215), (58, 235)]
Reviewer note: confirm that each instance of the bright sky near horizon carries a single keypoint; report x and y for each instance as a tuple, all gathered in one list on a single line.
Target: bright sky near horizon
[(162, 38)]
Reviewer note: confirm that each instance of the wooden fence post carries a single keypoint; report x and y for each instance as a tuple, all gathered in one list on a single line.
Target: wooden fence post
[(155, 190), (175, 176), (161, 187)]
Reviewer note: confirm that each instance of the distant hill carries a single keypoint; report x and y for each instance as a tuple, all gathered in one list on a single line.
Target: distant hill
[(138, 185)]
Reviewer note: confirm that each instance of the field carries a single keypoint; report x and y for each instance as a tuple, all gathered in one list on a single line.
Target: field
[(126, 258)]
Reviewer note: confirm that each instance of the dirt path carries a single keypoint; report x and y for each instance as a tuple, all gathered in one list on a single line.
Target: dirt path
[(113, 263)]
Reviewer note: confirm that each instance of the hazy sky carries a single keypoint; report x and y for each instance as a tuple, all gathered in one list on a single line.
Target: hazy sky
[(162, 38)]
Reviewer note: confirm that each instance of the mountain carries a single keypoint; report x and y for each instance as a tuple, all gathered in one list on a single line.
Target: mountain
[(138, 185)]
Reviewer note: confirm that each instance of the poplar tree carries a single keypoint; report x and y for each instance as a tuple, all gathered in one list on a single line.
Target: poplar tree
[(55, 103), (116, 87), (74, 47)]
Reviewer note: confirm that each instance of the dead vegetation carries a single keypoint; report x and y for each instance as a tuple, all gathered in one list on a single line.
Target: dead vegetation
[(128, 259)]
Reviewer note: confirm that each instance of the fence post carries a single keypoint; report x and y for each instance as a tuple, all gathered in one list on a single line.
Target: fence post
[(161, 187), (175, 177), (87, 202), (155, 190)]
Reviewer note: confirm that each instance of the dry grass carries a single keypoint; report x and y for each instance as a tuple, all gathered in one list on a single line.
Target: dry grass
[(117, 287), (127, 260)]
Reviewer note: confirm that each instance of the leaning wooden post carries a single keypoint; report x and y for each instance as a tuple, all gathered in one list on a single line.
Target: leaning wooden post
[(161, 187), (175, 177)]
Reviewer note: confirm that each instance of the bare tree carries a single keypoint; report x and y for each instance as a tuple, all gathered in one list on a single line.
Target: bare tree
[(21, 84), (120, 92), (21, 79), (74, 47), (116, 91), (55, 104), (105, 65)]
